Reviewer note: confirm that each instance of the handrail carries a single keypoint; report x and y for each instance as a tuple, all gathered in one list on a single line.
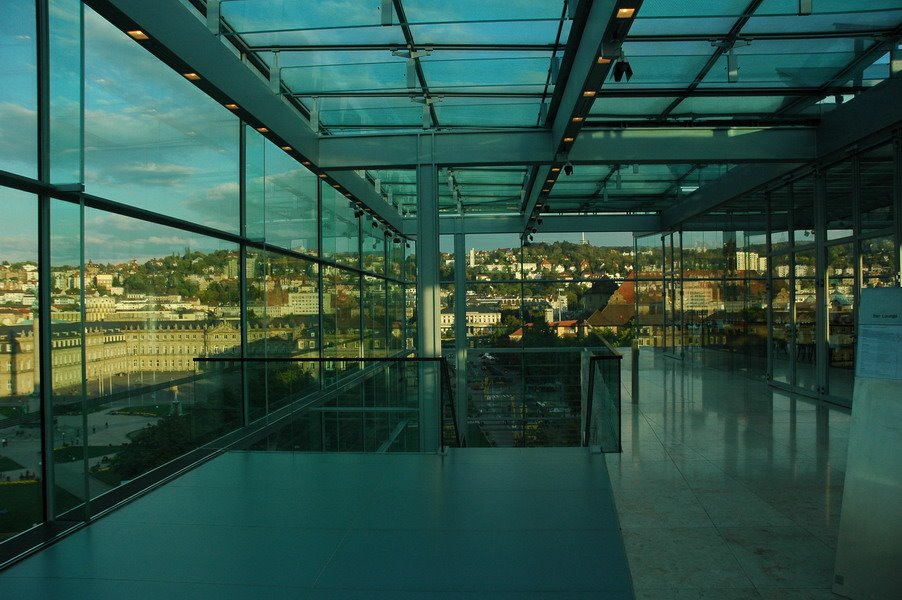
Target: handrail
[(611, 348)]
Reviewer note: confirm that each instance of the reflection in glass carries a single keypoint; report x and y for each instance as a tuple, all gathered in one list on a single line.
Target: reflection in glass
[(18, 89), (340, 227), (21, 496), (155, 298), (152, 138), (841, 295)]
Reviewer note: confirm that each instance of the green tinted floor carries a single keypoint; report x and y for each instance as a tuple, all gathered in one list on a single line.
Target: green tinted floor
[(479, 523)]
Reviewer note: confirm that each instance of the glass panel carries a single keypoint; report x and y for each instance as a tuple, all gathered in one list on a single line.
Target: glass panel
[(281, 201), (802, 192), (283, 299), (375, 331), (66, 87), (497, 72), (340, 226), (71, 441), (153, 139), (781, 304), (395, 316), (21, 493), (341, 320), (780, 208), (839, 201), (841, 295), (156, 298), (805, 324), (373, 247), (876, 169), (877, 263), (18, 89)]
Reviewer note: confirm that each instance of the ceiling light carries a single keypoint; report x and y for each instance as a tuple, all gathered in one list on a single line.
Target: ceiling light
[(546, 190), (262, 129), (306, 163), (549, 180), (137, 34), (578, 119), (555, 169), (322, 175), (567, 140), (625, 13), (286, 148), (603, 60), (191, 76), (336, 186), (589, 93), (231, 106), (732, 67), (688, 189)]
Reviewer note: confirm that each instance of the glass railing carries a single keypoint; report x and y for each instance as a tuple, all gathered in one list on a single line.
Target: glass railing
[(364, 405), (601, 399), (526, 397)]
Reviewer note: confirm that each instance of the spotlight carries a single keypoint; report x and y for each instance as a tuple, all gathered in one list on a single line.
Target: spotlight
[(530, 237), (358, 213), (397, 240), (568, 168), (539, 221), (375, 225), (388, 233), (622, 68)]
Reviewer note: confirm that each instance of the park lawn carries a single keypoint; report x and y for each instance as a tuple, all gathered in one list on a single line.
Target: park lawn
[(150, 410), (8, 464), (21, 505), (73, 453)]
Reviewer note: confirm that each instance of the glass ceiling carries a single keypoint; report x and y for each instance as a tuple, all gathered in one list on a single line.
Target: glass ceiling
[(492, 65)]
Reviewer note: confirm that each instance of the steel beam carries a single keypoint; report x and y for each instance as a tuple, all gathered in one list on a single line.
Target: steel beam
[(550, 224), (446, 149), (707, 145)]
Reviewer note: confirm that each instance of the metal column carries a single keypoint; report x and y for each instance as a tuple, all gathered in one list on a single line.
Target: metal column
[(429, 343), (460, 331), (820, 269)]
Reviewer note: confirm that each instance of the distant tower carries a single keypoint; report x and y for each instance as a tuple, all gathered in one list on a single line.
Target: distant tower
[(583, 241), (472, 257)]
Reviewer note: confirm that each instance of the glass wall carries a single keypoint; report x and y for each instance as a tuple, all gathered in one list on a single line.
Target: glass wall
[(772, 280), (147, 289)]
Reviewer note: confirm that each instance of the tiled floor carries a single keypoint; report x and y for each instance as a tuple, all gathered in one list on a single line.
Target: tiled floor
[(479, 523), (727, 488)]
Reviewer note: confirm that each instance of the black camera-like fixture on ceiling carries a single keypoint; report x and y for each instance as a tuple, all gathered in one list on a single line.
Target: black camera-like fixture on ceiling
[(622, 68)]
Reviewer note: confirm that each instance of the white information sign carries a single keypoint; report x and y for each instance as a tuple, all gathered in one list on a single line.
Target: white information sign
[(869, 548)]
